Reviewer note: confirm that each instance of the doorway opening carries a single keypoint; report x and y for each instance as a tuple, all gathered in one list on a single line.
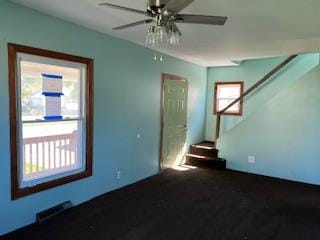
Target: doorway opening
[(174, 112)]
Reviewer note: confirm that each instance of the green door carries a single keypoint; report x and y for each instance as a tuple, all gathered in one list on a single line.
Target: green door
[(174, 129)]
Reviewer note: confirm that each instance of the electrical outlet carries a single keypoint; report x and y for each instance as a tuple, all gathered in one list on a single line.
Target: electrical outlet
[(118, 175), (251, 159)]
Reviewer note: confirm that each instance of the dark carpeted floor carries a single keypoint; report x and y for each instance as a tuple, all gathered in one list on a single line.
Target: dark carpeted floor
[(196, 204)]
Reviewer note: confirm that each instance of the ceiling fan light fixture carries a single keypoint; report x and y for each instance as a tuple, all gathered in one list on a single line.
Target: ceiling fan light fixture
[(151, 38), (160, 34), (156, 35), (174, 38), (165, 14)]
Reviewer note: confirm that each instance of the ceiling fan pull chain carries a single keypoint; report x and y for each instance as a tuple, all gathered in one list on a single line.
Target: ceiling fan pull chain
[(156, 57)]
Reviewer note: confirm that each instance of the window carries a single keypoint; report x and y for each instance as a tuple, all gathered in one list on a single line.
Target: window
[(51, 118), (224, 94)]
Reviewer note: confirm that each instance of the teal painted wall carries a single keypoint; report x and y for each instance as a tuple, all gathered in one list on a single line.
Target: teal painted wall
[(250, 72), (126, 102), (283, 135), (281, 122)]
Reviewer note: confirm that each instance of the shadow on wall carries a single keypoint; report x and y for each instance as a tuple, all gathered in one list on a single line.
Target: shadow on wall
[(250, 72), (282, 135)]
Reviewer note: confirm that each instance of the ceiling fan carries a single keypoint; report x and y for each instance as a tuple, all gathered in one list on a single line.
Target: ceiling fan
[(164, 14)]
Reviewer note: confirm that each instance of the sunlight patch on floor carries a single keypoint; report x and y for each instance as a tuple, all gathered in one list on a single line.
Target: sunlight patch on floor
[(183, 167), (180, 161)]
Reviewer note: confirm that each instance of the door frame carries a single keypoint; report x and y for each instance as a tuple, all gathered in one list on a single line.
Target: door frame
[(166, 76)]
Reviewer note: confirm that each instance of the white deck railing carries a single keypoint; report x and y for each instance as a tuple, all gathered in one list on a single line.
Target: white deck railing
[(49, 153)]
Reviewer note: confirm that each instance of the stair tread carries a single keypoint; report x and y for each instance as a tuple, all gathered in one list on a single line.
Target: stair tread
[(205, 145), (205, 154), (205, 158)]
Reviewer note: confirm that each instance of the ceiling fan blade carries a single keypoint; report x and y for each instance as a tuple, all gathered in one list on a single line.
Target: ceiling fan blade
[(175, 6), (125, 8), (146, 21), (200, 19)]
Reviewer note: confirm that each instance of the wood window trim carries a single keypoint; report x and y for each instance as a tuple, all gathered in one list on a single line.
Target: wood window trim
[(13, 50), (215, 108)]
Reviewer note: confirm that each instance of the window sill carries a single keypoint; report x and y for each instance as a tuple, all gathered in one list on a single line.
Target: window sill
[(22, 192)]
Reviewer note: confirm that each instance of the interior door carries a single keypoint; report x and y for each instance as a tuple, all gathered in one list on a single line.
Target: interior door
[(174, 120)]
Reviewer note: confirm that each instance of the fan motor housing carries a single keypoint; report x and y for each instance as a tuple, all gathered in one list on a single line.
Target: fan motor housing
[(152, 4)]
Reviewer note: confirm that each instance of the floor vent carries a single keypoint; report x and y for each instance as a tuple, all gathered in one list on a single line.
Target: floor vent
[(54, 211)]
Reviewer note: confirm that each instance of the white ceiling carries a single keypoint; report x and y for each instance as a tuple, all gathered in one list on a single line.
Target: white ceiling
[(255, 28)]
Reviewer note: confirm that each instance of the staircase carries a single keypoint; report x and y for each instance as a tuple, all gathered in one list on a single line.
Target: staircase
[(205, 154)]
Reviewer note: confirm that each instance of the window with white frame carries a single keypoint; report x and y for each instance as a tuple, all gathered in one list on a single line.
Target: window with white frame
[(224, 94), (52, 112)]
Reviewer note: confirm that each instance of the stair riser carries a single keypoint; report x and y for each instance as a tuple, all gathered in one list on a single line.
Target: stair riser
[(203, 152), (205, 163)]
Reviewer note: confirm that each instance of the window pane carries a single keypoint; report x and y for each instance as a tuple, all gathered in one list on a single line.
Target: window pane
[(50, 148), (32, 100), (229, 91), (223, 103)]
